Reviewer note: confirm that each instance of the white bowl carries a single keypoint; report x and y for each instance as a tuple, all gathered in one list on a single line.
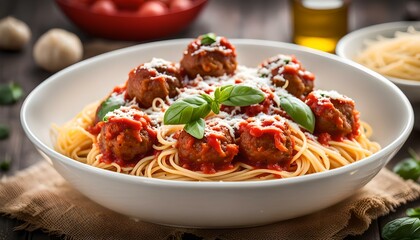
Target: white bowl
[(216, 204), (353, 43)]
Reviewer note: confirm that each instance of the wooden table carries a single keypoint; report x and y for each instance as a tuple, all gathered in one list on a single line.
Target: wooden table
[(268, 20)]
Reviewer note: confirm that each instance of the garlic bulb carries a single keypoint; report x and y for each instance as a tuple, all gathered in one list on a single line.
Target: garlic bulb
[(14, 34), (57, 49)]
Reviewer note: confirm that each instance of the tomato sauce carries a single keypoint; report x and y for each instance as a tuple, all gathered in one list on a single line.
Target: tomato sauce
[(211, 154), (336, 118), (125, 132)]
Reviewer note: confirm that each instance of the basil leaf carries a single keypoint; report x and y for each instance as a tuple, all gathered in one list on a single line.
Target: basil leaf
[(225, 86), (200, 107), (298, 111), (406, 228), (217, 94), (215, 107), (196, 128), (208, 99), (239, 95), (191, 111), (109, 105), (413, 212), (186, 110), (208, 39), (5, 164), (225, 93), (10, 93), (4, 131), (408, 169)]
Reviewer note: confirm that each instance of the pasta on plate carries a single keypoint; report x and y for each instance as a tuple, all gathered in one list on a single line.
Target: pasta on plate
[(207, 118), (395, 57)]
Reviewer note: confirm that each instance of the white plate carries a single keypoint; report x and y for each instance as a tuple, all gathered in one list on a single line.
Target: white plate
[(216, 204)]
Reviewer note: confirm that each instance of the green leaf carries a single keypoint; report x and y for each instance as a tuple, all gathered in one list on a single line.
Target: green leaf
[(406, 228), (208, 99), (4, 166), (4, 131), (10, 93), (217, 94), (5, 163), (225, 86), (177, 113), (215, 107), (225, 93), (408, 169), (208, 39), (240, 95), (191, 111), (196, 128), (109, 105), (413, 212), (199, 106), (186, 110), (298, 111)]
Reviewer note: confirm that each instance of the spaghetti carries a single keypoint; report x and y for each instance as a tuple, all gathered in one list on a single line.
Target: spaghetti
[(256, 142), (396, 57), (74, 141)]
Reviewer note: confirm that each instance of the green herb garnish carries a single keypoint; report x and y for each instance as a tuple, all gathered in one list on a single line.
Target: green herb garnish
[(5, 164), (240, 96), (413, 212), (109, 105), (4, 131), (196, 128), (10, 93), (192, 111), (405, 228), (208, 39), (187, 110), (298, 111), (409, 168)]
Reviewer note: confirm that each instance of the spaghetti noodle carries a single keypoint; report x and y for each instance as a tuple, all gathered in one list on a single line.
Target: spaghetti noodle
[(396, 57), (234, 138)]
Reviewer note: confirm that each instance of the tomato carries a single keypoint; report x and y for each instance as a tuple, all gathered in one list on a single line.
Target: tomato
[(166, 2), (104, 7), (128, 4), (178, 5), (80, 3), (152, 8)]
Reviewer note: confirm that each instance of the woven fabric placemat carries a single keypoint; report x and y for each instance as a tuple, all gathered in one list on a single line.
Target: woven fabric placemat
[(41, 198)]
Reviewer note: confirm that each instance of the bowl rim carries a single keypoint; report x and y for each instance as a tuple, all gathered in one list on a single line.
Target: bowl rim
[(346, 41), (49, 151), (129, 14)]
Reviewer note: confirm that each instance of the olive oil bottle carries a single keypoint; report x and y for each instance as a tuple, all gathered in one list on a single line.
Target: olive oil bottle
[(319, 24)]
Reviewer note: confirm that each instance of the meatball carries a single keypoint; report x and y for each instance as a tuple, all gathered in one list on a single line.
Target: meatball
[(335, 114), (155, 79), (287, 72), (212, 153), (266, 144), (209, 58), (126, 136)]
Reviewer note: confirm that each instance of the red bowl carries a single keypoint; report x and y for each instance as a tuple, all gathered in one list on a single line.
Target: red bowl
[(125, 25)]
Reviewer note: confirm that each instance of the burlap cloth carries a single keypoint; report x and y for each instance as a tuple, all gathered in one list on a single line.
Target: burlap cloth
[(41, 198)]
